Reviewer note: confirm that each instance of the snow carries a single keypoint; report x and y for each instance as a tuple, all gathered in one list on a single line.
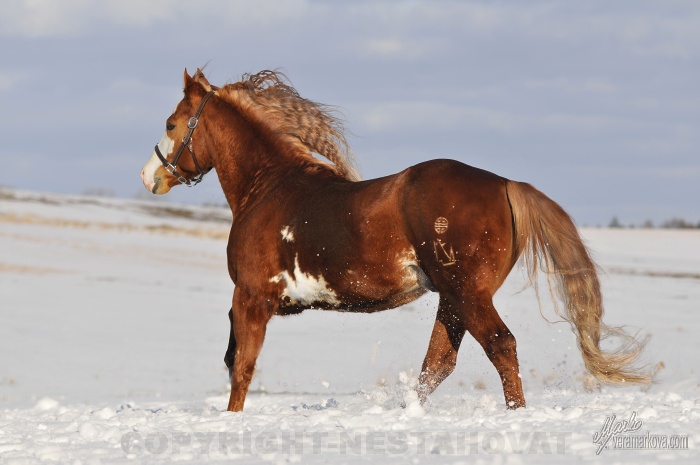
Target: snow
[(114, 327)]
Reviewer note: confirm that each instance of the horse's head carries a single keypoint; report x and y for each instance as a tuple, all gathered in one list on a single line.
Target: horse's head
[(177, 158)]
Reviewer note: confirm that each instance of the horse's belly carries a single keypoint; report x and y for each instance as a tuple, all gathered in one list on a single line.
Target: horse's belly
[(305, 290), (362, 288)]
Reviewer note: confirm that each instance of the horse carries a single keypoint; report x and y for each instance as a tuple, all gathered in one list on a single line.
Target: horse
[(308, 233)]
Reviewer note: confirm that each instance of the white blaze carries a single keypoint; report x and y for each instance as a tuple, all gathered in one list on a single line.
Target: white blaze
[(148, 172), (302, 288)]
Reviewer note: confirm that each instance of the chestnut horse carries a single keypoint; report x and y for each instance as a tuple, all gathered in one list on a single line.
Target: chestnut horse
[(310, 234)]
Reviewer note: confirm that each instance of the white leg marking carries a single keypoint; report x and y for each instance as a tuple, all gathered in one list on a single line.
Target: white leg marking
[(148, 172), (304, 289)]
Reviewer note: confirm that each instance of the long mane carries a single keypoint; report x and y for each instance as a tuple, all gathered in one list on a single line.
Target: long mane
[(311, 126)]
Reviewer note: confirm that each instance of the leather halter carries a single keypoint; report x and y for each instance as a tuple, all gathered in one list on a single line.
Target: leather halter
[(171, 167)]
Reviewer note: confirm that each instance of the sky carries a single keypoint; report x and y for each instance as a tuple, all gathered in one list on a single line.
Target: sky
[(596, 103)]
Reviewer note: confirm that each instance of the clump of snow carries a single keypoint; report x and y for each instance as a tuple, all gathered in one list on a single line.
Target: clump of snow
[(413, 407), (46, 403)]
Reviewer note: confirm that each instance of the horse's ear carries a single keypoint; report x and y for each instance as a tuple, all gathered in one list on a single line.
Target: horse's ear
[(187, 79), (192, 86), (199, 77)]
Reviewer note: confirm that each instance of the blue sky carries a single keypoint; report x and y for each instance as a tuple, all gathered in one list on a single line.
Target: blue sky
[(596, 103)]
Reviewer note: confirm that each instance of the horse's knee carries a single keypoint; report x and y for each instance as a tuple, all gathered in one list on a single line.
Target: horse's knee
[(242, 374)]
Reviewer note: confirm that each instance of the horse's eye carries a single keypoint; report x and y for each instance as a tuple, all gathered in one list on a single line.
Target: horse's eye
[(170, 127)]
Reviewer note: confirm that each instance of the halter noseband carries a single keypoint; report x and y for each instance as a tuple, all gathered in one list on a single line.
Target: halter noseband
[(186, 142)]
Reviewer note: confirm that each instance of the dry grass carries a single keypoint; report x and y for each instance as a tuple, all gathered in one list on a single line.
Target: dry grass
[(163, 229), (23, 269), (655, 274)]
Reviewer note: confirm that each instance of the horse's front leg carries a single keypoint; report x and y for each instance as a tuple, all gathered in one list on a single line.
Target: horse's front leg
[(249, 322)]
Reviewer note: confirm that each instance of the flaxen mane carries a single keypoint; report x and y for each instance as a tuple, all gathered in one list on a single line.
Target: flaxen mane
[(272, 101)]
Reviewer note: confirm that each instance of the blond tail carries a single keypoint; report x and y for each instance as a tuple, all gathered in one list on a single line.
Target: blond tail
[(549, 241)]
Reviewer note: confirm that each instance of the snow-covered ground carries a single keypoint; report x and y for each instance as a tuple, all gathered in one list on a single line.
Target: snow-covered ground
[(113, 327)]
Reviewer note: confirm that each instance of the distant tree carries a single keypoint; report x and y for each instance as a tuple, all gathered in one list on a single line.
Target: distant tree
[(677, 223), (648, 224), (99, 192), (615, 223)]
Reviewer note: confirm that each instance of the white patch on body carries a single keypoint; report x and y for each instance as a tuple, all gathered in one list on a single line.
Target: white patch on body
[(148, 172), (287, 234), (304, 289)]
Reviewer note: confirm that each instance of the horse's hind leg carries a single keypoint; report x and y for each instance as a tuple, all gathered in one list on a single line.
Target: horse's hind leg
[(478, 316), (483, 322), (231, 350), (441, 358)]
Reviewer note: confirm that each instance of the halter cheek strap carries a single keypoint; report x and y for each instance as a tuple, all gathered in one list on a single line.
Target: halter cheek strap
[(171, 167)]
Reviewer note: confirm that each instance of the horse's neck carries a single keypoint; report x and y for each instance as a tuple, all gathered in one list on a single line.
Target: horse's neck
[(246, 163)]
